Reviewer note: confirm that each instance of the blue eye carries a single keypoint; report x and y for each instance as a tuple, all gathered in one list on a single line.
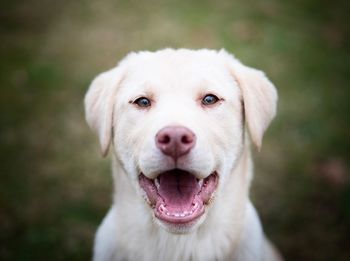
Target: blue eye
[(209, 99), (142, 102)]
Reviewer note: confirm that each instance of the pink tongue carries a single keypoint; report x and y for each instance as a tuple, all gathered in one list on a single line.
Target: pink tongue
[(178, 189)]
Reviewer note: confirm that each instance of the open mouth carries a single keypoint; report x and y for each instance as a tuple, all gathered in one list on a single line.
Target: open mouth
[(177, 196)]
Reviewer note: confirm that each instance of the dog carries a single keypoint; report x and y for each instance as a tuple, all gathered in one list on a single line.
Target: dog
[(180, 123)]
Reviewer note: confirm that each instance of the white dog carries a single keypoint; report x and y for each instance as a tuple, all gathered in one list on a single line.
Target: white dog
[(180, 122)]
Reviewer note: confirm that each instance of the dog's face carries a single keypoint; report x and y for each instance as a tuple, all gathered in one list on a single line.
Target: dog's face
[(177, 121)]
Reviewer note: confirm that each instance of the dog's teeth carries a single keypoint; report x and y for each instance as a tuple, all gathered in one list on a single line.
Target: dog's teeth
[(162, 207), (176, 214), (182, 214), (167, 213), (200, 182), (156, 182)]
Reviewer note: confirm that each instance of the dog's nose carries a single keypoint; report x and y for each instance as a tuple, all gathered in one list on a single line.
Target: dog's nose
[(175, 141)]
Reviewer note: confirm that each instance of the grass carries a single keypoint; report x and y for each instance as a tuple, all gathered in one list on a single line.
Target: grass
[(55, 188)]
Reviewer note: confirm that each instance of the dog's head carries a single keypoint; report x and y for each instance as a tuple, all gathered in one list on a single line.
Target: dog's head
[(177, 121)]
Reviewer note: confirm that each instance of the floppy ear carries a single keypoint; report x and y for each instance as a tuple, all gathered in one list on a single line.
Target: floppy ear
[(259, 97), (99, 103)]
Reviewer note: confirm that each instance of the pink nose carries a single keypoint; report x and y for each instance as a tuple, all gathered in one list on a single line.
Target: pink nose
[(175, 141)]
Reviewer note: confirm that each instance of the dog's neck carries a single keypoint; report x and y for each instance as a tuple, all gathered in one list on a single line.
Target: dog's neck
[(217, 238)]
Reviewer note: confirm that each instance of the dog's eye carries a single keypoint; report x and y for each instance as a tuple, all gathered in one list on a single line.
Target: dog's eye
[(209, 99), (142, 102)]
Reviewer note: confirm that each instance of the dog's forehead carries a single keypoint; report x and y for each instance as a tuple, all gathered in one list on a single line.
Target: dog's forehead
[(189, 71)]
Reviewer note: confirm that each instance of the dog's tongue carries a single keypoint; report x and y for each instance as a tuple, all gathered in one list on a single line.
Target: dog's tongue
[(178, 189)]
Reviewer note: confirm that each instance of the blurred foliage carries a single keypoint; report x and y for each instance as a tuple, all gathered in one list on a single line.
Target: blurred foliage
[(55, 188)]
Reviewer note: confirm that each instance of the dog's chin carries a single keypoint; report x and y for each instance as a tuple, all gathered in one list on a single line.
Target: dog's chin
[(178, 199)]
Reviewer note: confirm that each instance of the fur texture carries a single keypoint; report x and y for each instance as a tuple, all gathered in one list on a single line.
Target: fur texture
[(176, 81)]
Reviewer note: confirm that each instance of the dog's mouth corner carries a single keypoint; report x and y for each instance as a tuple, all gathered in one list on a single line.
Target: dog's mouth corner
[(177, 196)]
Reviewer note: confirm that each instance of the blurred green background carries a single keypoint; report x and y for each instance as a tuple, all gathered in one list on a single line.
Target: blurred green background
[(55, 188)]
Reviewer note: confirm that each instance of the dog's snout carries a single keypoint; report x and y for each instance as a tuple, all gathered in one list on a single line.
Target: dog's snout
[(175, 141)]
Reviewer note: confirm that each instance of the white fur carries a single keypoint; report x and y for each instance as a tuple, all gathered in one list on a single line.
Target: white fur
[(176, 81)]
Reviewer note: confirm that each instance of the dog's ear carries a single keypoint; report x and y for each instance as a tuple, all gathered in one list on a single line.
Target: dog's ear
[(259, 97), (99, 103)]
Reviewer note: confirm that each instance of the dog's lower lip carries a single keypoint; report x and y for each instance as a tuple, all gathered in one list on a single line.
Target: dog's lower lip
[(177, 196)]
